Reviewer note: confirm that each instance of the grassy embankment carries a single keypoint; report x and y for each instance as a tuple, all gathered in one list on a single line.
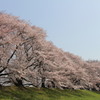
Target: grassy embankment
[(14, 93)]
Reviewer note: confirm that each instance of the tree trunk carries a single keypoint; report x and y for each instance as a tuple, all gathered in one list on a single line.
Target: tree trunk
[(19, 82), (43, 82)]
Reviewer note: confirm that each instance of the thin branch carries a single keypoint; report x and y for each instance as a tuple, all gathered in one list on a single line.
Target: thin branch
[(3, 69), (12, 55), (5, 74)]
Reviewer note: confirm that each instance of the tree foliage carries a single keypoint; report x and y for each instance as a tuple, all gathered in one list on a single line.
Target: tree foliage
[(28, 59)]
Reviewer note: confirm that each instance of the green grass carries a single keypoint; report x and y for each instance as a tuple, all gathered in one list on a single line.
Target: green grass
[(15, 93)]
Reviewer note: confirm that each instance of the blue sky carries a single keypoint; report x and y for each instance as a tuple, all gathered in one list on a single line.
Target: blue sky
[(73, 25)]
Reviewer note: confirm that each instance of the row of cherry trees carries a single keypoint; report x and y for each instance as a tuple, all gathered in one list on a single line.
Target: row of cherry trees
[(27, 59)]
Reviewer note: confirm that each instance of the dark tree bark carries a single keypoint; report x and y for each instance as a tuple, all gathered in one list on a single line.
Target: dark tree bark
[(19, 82), (43, 82)]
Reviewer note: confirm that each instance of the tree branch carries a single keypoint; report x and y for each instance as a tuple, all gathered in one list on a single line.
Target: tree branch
[(12, 55)]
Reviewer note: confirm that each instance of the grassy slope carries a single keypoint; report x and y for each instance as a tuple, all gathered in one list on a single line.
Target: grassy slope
[(14, 93)]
